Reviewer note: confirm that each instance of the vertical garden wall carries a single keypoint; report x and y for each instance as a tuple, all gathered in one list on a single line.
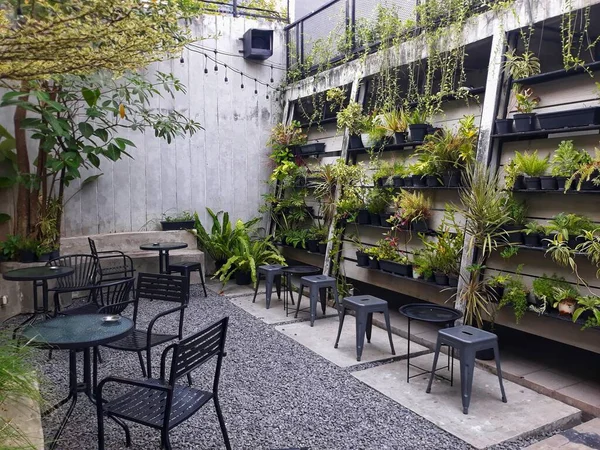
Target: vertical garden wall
[(443, 211)]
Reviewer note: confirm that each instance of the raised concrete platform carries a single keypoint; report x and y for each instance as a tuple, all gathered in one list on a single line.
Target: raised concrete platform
[(275, 314), (321, 338), (233, 290), (489, 421), (583, 437)]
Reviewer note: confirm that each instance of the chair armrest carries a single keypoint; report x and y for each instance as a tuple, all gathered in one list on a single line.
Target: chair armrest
[(106, 252), (114, 305), (126, 381), (162, 314)]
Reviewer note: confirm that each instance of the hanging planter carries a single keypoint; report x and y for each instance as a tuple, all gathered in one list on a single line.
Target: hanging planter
[(524, 122), (453, 280), (504, 126), (560, 183), (173, 225), (571, 118), (404, 270), (515, 235), (548, 183), (519, 183)]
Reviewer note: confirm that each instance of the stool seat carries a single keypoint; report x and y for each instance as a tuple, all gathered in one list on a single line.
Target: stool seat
[(467, 335), (185, 268), (271, 268), (364, 306), (319, 279)]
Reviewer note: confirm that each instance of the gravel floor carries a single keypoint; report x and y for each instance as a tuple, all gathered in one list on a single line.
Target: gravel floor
[(274, 393)]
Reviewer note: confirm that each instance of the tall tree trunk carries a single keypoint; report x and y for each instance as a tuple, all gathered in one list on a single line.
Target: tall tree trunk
[(22, 225)]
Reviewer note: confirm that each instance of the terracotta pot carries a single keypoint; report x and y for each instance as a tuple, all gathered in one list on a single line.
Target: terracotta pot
[(567, 307)]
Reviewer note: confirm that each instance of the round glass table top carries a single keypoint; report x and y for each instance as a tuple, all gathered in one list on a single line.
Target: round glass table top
[(77, 332), (163, 246), (302, 269), (430, 313), (38, 273)]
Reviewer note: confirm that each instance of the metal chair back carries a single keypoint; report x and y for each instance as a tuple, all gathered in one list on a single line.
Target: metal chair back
[(86, 270), (156, 286), (114, 297), (93, 248)]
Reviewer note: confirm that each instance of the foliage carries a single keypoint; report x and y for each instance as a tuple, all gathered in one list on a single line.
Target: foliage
[(282, 138), (569, 225), (412, 206), (588, 171), (511, 171), (516, 209), (247, 255), (223, 237), (560, 252), (524, 65), (352, 118), (533, 227), (183, 216), (515, 295), (418, 116), (387, 249), (531, 164), (295, 237), (383, 169), (424, 262), (526, 102), (336, 97), (566, 159), (564, 294), (378, 200), (393, 121), (319, 233), (499, 280), (590, 303), (544, 287), (591, 247)]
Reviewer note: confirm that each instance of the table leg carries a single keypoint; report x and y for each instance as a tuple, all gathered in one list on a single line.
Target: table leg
[(36, 310), (408, 355), (45, 301), (166, 261), (72, 396)]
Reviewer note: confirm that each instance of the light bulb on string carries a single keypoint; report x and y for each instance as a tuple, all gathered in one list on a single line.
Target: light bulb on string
[(216, 69), (268, 86), (181, 60), (255, 87), (205, 63), (272, 80), (242, 79), (226, 79)]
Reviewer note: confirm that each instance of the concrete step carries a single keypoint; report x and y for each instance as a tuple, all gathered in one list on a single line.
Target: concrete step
[(582, 437)]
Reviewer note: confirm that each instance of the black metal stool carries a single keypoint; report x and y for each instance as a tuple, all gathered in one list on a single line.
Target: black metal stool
[(271, 274), (364, 306), (185, 269), (316, 283), (467, 340)]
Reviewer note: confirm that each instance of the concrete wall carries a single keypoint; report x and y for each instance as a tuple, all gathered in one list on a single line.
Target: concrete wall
[(221, 167)]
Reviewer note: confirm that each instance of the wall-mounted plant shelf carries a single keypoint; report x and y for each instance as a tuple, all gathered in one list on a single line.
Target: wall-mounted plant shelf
[(558, 74), (319, 122), (558, 191), (542, 134), (386, 148), (414, 280), (380, 227), (579, 322), (540, 249)]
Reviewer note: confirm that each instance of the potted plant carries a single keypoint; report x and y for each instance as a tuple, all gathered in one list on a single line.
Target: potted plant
[(395, 123), (515, 294), (533, 167), (414, 209), (377, 202), (181, 221), (532, 234), (362, 257), (423, 264), (567, 160), (517, 212), (587, 175), (565, 300), (524, 120), (591, 305), (315, 234), (570, 227), (544, 289), (384, 170), (419, 171), (352, 118), (417, 124), (579, 117), (375, 135), (285, 141), (496, 285), (391, 259), (400, 174), (513, 178), (373, 255)]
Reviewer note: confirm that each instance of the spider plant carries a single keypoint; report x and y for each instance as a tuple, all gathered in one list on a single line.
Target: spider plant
[(569, 225), (589, 170), (392, 121), (591, 247), (589, 303)]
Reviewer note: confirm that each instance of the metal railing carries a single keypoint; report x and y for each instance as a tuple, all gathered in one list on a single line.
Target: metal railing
[(238, 8)]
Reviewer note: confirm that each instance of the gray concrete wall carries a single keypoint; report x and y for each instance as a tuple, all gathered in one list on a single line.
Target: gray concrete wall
[(222, 167)]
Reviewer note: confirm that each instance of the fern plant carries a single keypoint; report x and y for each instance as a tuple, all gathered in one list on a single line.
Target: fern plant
[(531, 164)]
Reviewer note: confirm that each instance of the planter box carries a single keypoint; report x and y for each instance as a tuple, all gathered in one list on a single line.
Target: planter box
[(549, 184), (531, 239), (533, 183), (398, 181), (524, 122), (363, 217), (418, 131), (177, 225), (571, 118), (515, 236), (362, 259), (432, 181), (373, 263), (312, 149), (312, 245), (504, 126), (408, 181), (404, 270)]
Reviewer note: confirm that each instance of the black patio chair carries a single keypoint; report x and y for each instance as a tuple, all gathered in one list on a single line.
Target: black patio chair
[(151, 286), (106, 298), (83, 279), (113, 264), (162, 403)]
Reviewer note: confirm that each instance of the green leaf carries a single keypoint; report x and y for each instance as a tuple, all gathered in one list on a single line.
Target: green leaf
[(6, 182), (112, 152), (12, 94), (102, 134), (86, 129), (91, 179), (31, 122), (90, 96), (5, 134), (4, 217), (94, 160), (122, 143)]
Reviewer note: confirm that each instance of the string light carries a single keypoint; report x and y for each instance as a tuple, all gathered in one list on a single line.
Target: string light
[(272, 80), (267, 92), (242, 79), (216, 66), (226, 79), (205, 64), (255, 87)]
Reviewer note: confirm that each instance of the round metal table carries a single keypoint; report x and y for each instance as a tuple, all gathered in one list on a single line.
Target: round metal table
[(287, 275), (430, 313), (73, 333), (163, 249), (39, 275)]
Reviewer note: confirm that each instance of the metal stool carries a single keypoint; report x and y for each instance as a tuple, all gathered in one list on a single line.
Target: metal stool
[(364, 306), (185, 269), (315, 283), (270, 273), (467, 340)]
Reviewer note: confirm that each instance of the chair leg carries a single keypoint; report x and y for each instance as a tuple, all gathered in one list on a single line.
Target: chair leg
[(438, 345), (189, 378), (100, 426), (388, 327), (342, 316), (299, 299), (369, 327), (323, 296), (202, 281), (278, 285), (499, 370), (142, 365), (314, 299), (269, 289), (256, 289), (467, 367), (165, 443), (361, 325), (335, 297), (149, 362), (222, 422)]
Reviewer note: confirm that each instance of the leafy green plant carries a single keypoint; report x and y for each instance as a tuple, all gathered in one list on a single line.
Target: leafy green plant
[(591, 247), (500, 280), (393, 121), (296, 238), (569, 225), (590, 303), (531, 164), (352, 118), (544, 287), (336, 97), (387, 249), (567, 160), (378, 200), (412, 206), (516, 210), (521, 66), (286, 136), (533, 227), (588, 171), (417, 116), (526, 102), (424, 262), (384, 169), (564, 295), (183, 216), (511, 172), (515, 295)]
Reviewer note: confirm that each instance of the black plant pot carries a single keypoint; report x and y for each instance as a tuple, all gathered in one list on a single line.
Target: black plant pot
[(519, 183), (375, 219), (432, 181), (496, 292), (312, 149), (588, 185), (485, 355), (400, 138), (452, 178), (322, 248), (548, 184), (398, 181), (418, 131), (312, 245), (44, 256), (408, 181), (571, 118), (373, 263), (545, 240), (452, 281), (362, 259), (363, 217), (27, 256), (54, 254), (177, 225), (419, 180), (383, 218), (524, 122), (441, 278), (504, 126), (355, 142), (515, 236), (533, 183), (574, 241), (419, 226), (404, 270), (560, 183), (220, 263), (531, 239), (243, 278), (430, 279)]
